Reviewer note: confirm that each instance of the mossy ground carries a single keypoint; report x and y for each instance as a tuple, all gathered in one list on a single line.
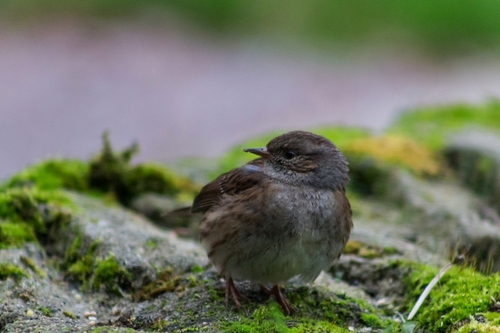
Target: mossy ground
[(108, 174), (30, 214), (461, 293), (81, 264), (9, 270), (463, 300), (28, 262), (315, 312), (111, 172)]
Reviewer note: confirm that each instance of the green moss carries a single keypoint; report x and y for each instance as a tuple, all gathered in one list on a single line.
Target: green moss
[(52, 174), (430, 126), (70, 314), (478, 327), (269, 318), (393, 150), (366, 251), (111, 172), (28, 262), (109, 273), (109, 176), (150, 177), (166, 281), (461, 292), (15, 234), (372, 320), (45, 311), (197, 269), (93, 272), (317, 310), (493, 317), (32, 208), (8, 270), (152, 243), (80, 266)]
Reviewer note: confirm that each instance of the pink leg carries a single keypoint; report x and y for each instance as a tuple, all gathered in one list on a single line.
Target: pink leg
[(275, 291), (235, 294)]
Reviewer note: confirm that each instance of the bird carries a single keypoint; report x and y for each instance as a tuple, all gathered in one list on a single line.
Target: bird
[(282, 215)]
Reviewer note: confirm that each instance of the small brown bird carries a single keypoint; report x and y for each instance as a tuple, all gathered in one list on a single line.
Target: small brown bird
[(282, 215)]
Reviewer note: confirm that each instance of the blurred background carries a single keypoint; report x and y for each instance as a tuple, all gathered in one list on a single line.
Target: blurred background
[(195, 77)]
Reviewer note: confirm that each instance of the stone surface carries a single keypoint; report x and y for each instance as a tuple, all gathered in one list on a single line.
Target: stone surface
[(475, 155), (445, 218), (113, 270)]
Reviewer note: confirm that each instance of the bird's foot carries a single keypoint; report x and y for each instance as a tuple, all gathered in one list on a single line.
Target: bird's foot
[(276, 292), (235, 294)]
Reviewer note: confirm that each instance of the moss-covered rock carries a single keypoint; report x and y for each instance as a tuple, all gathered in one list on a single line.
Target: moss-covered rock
[(52, 174), (431, 126), (15, 234), (396, 151), (462, 293), (30, 214), (475, 155), (8, 270), (111, 172)]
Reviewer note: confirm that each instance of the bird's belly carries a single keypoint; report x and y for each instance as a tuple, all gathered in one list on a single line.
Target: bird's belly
[(300, 238), (284, 260)]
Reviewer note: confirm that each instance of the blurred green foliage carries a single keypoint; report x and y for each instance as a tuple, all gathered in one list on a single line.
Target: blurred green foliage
[(441, 26), (430, 126)]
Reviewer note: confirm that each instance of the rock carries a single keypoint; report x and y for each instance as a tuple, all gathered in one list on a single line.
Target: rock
[(131, 248), (445, 217), (475, 155), (134, 243)]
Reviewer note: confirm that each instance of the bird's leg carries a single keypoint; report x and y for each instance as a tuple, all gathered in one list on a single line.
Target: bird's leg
[(265, 290), (287, 308), (235, 294)]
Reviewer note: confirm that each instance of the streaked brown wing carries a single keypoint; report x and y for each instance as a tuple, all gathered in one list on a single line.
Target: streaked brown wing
[(230, 183)]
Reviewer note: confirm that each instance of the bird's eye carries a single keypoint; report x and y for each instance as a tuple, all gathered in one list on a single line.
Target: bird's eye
[(289, 154)]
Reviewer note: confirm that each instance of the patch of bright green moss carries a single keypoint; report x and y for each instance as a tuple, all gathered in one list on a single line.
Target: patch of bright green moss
[(8, 270), (461, 293), (15, 234), (28, 262), (28, 212), (80, 266), (45, 311), (109, 273), (197, 269), (315, 312), (430, 126), (94, 272), (70, 314), (269, 318), (493, 317), (52, 174)]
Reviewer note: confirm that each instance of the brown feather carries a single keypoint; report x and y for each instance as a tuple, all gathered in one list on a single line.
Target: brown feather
[(230, 183)]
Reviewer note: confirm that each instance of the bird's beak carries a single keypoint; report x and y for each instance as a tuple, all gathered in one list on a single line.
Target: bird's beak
[(262, 152)]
